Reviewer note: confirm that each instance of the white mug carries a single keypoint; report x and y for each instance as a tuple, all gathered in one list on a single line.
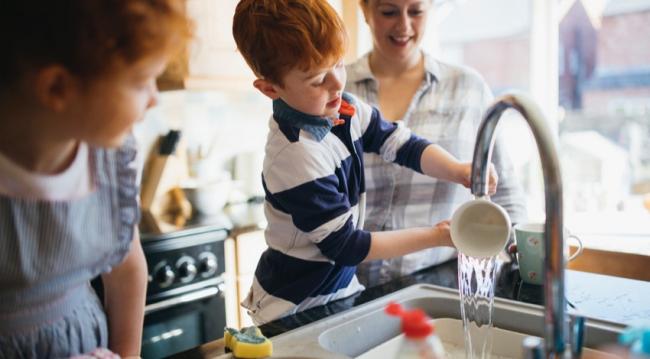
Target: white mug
[(480, 228)]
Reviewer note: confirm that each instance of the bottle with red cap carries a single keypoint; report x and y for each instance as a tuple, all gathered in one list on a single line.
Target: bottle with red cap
[(420, 340)]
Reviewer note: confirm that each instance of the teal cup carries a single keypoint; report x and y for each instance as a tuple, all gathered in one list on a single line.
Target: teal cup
[(530, 250)]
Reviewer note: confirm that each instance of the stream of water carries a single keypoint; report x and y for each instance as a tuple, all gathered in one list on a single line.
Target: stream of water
[(476, 286)]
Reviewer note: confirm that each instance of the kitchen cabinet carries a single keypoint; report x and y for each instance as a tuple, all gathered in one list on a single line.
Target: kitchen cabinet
[(211, 60)]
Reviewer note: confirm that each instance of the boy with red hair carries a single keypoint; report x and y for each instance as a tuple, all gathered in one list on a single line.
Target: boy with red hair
[(313, 169)]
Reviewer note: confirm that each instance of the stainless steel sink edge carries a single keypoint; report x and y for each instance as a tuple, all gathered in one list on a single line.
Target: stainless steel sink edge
[(303, 342), (349, 334)]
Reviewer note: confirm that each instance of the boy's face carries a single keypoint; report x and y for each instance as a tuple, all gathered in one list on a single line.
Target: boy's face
[(111, 104), (314, 92)]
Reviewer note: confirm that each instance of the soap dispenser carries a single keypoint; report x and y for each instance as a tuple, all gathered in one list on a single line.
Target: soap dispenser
[(420, 340)]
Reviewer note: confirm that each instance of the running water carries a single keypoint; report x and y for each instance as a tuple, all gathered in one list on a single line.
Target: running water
[(476, 287)]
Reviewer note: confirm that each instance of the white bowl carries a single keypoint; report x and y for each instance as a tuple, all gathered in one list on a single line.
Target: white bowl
[(209, 198)]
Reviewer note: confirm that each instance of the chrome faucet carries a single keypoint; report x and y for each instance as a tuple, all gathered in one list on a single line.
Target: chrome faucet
[(555, 324)]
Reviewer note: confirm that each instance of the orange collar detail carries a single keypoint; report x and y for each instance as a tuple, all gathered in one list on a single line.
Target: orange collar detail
[(346, 111)]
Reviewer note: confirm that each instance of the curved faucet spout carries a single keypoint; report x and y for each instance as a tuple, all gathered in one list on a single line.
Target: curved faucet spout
[(555, 325)]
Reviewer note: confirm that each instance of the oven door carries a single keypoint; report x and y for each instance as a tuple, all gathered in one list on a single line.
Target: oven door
[(183, 322)]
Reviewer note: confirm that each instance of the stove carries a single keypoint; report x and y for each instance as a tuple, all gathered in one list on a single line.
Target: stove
[(185, 304)]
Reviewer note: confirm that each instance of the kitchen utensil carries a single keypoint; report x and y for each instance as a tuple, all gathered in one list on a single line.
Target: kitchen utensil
[(480, 228), (529, 238)]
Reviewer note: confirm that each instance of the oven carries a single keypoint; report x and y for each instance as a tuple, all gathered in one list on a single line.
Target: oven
[(185, 296)]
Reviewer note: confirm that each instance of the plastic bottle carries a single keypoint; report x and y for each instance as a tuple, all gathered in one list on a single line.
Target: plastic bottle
[(420, 340)]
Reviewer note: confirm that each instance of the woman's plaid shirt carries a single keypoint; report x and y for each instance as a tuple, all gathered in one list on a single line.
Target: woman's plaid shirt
[(447, 110)]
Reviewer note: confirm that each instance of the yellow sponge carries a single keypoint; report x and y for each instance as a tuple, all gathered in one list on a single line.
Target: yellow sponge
[(247, 343)]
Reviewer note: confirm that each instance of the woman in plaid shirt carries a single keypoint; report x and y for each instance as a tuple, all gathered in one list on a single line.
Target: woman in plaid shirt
[(441, 102)]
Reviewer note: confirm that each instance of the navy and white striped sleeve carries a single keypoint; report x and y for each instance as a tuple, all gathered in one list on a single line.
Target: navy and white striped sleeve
[(393, 141), (304, 184)]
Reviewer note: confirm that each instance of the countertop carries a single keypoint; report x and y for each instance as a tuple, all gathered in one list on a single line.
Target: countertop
[(596, 296), (235, 218)]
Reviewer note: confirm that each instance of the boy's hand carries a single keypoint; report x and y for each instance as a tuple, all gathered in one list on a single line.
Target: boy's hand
[(465, 177), (442, 236)]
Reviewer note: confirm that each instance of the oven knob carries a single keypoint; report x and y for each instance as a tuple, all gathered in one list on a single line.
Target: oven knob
[(186, 269), (165, 276), (208, 264)]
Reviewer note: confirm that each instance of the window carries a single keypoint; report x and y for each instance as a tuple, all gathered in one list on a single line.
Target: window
[(605, 130), (596, 93), (587, 64), (503, 44)]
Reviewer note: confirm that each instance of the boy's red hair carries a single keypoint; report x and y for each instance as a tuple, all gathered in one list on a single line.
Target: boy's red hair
[(275, 36)]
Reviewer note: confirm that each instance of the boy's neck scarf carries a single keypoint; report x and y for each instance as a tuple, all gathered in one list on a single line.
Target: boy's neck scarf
[(316, 125)]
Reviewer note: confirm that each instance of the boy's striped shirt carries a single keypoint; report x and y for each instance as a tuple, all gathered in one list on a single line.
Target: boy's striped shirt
[(315, 200)]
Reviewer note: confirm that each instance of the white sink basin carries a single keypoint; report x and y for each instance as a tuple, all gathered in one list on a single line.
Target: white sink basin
[(365, 331), (505, 344)]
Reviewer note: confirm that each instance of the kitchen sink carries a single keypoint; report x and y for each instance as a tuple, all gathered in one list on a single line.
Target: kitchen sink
[(366, 332), (505, 343)]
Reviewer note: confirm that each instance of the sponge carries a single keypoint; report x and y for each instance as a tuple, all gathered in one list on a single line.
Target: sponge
[(247, 343)]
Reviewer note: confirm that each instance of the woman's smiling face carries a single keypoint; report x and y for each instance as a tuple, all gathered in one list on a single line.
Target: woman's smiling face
[(397, 26)]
